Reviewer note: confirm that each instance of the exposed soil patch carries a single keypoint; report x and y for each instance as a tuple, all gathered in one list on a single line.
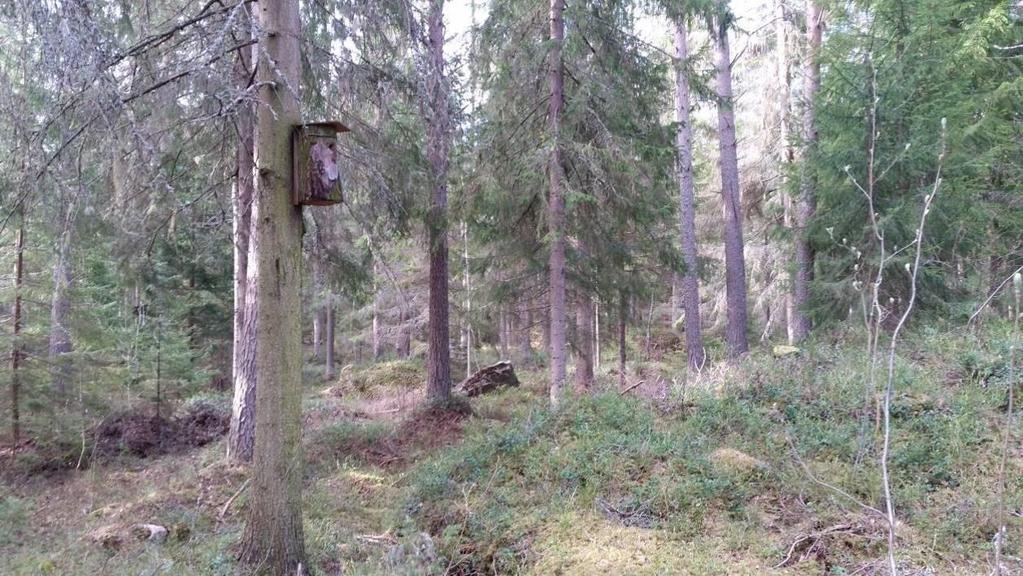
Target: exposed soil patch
[(142, 433)]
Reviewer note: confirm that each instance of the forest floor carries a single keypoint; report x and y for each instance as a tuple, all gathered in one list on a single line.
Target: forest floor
[(763, 467)]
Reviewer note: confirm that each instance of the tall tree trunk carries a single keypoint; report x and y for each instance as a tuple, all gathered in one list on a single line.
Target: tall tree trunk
[(377, 344), (806, 204), (19, 274), (784, 96), (525, 329), (466, 284), (273, 539), (317, 329), (546, 324), (329, 340), (502, 331), (60, 335), (241, 435), (439, 344), (596, 334), (556, 206), (689, 281), (735, 259), (623, 312), (584, 341)]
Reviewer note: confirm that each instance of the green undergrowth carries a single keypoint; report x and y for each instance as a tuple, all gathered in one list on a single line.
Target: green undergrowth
[(719, 477), (773, 449)]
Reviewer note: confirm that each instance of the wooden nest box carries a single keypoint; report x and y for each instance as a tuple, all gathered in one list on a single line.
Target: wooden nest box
[(315, 173)]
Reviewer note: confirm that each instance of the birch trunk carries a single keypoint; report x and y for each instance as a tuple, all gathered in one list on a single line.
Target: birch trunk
[(273, 541), (556, 207), (806, 204), (689, 280), (439, 344), (735, 260)]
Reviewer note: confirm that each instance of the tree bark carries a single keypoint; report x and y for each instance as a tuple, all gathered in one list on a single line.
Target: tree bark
[(329, 340), (623, 311), (60, 306), (556, 206), (735, 260), (525, 328), (467, 286), (689, 281), (439, 344), (377, 344), (241, 434), (806, 204), (317, 330), (584, 341), (785, 80), (19, 274), (273, 541)]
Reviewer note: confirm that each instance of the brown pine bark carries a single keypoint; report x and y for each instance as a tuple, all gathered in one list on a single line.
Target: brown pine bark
[(689, 281), (584, 341), (19, 275), (806, 204), (241, 434), (556, 206), (735, 259), (438, 381), (273, 541)]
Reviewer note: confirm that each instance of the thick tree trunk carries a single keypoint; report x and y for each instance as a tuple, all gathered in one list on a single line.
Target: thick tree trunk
[(19, 275), (556, 206), (584, 341), (439, 344), (241, 435), (273, 541), (689, 281), (806, 204), (735, 259), (60, 334), (329, 341)]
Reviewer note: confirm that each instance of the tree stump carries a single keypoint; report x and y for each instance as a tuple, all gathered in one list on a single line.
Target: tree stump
[(488, 379)]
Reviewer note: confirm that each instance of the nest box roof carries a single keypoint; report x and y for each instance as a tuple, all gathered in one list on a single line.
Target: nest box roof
[(334, 124)]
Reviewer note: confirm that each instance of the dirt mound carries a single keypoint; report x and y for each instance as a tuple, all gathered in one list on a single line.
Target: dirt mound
[(422, 432), (140, 432)]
